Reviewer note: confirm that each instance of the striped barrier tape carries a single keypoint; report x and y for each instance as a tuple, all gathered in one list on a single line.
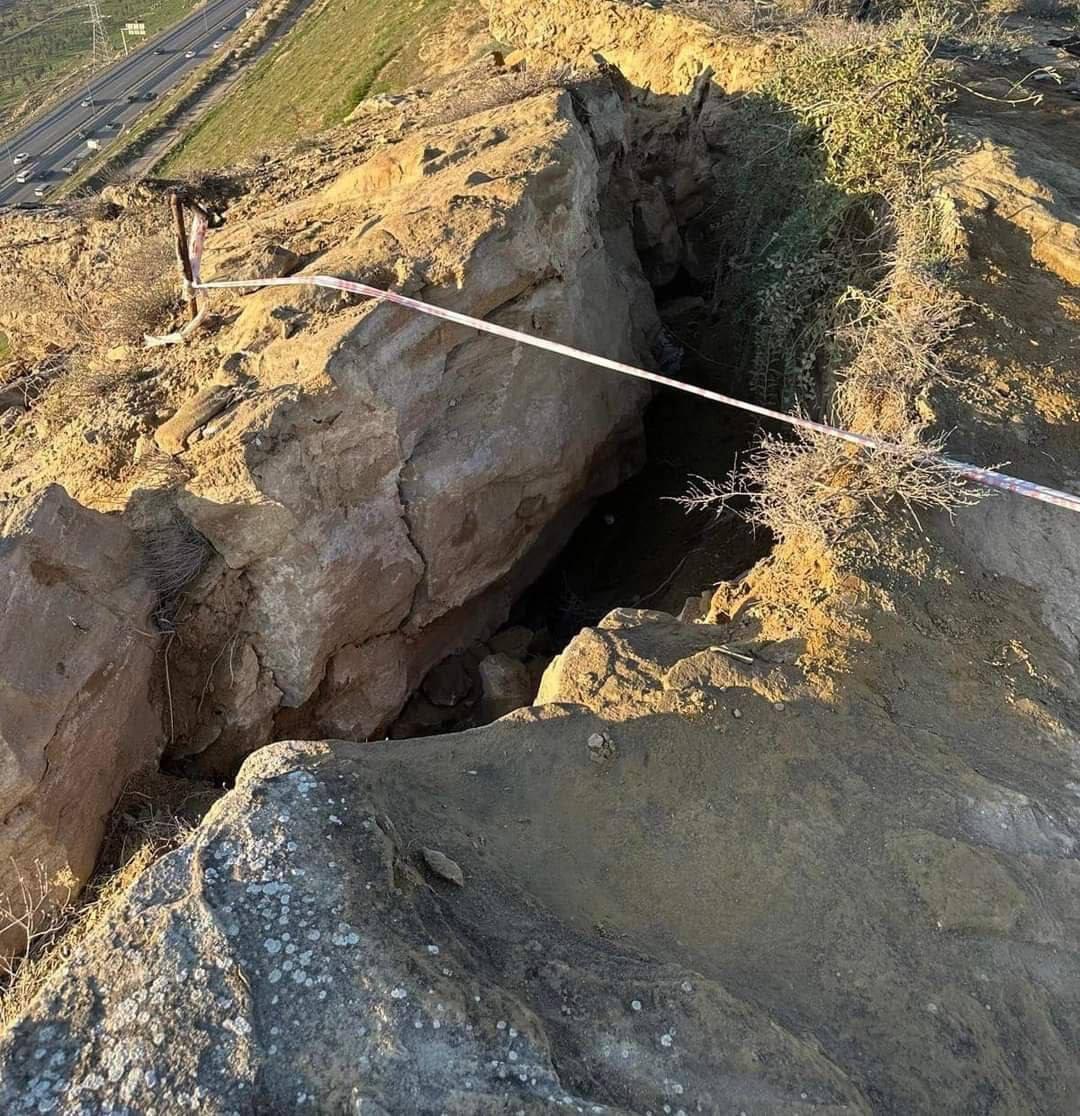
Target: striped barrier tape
[(989, 478)]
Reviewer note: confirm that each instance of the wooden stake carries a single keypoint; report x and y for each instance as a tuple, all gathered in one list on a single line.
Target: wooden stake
[(182, 256)]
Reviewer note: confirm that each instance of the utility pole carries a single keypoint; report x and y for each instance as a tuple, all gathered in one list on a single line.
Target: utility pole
[(99, 45), (100, 51)]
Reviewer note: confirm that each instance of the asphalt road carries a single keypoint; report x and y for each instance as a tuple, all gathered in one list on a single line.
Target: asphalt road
[(60, 134)]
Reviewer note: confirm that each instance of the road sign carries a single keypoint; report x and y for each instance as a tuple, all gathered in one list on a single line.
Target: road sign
[(135, 28)]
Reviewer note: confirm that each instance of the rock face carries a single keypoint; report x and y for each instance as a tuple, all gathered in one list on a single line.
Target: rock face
[(302, 954), (75, 670), (507, 686), (732, 893), (661, 50), (389, 482)]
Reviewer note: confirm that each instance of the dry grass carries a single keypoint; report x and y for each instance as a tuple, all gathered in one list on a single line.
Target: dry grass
[(146, 824), (495, 91), (133, 291), (173, 554), (142, 295), (71, 392), (757, 16), (850, 306)]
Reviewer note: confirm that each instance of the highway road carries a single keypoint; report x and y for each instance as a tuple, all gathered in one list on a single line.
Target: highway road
[(112, 100)]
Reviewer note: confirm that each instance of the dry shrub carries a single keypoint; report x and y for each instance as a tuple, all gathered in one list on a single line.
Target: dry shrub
[(849, 285), (133, 290), (895, 340), (91, 206), (756, 16), (173, 554), (71, 392), (142, 295), (819, 489)]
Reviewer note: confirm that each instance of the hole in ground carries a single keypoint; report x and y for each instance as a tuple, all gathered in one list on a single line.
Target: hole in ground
[(637, 548)]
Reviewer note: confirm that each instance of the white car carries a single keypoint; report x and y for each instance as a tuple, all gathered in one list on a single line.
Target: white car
[(39, 192), (190, 54), (86, 102), (216, 46), (21, 157), (24, 176)]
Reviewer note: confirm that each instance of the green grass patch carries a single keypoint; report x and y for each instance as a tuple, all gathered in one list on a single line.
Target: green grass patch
[(43, 41), (312, 79)]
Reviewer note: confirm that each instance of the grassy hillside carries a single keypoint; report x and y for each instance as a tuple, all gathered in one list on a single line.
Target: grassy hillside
[(42, 41), (334, 57)]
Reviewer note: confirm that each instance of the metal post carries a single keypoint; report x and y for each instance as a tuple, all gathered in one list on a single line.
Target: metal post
[(182, 256), (123, 39)]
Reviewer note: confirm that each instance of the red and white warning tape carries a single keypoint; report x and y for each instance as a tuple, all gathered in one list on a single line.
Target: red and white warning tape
[(990, 478)]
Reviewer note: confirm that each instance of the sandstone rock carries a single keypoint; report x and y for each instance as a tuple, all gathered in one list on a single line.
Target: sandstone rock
[(995, 185), (771, 924), (506, 685), (75, 671), (362, 684), (513, 641), (273, 968), (173, 436), (387, 474), (656, 236), (443, 866), (449, 683)]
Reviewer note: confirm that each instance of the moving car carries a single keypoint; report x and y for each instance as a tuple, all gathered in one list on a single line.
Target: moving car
[(158, 50), (190, 54), (39, 192), (71, 166), (87, 102), (24, 175), (216, 46), (21, 157)]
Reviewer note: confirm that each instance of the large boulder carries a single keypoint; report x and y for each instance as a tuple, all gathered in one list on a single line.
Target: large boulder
[(388, 482), (735, 892), (76, 658), (317, 948)]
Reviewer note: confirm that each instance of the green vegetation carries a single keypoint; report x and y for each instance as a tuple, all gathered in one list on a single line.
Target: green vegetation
[(331, 61), (837, 273), (845, 133), (42, 42)]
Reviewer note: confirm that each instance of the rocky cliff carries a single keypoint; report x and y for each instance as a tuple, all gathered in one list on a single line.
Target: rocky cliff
[(809, 845)]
